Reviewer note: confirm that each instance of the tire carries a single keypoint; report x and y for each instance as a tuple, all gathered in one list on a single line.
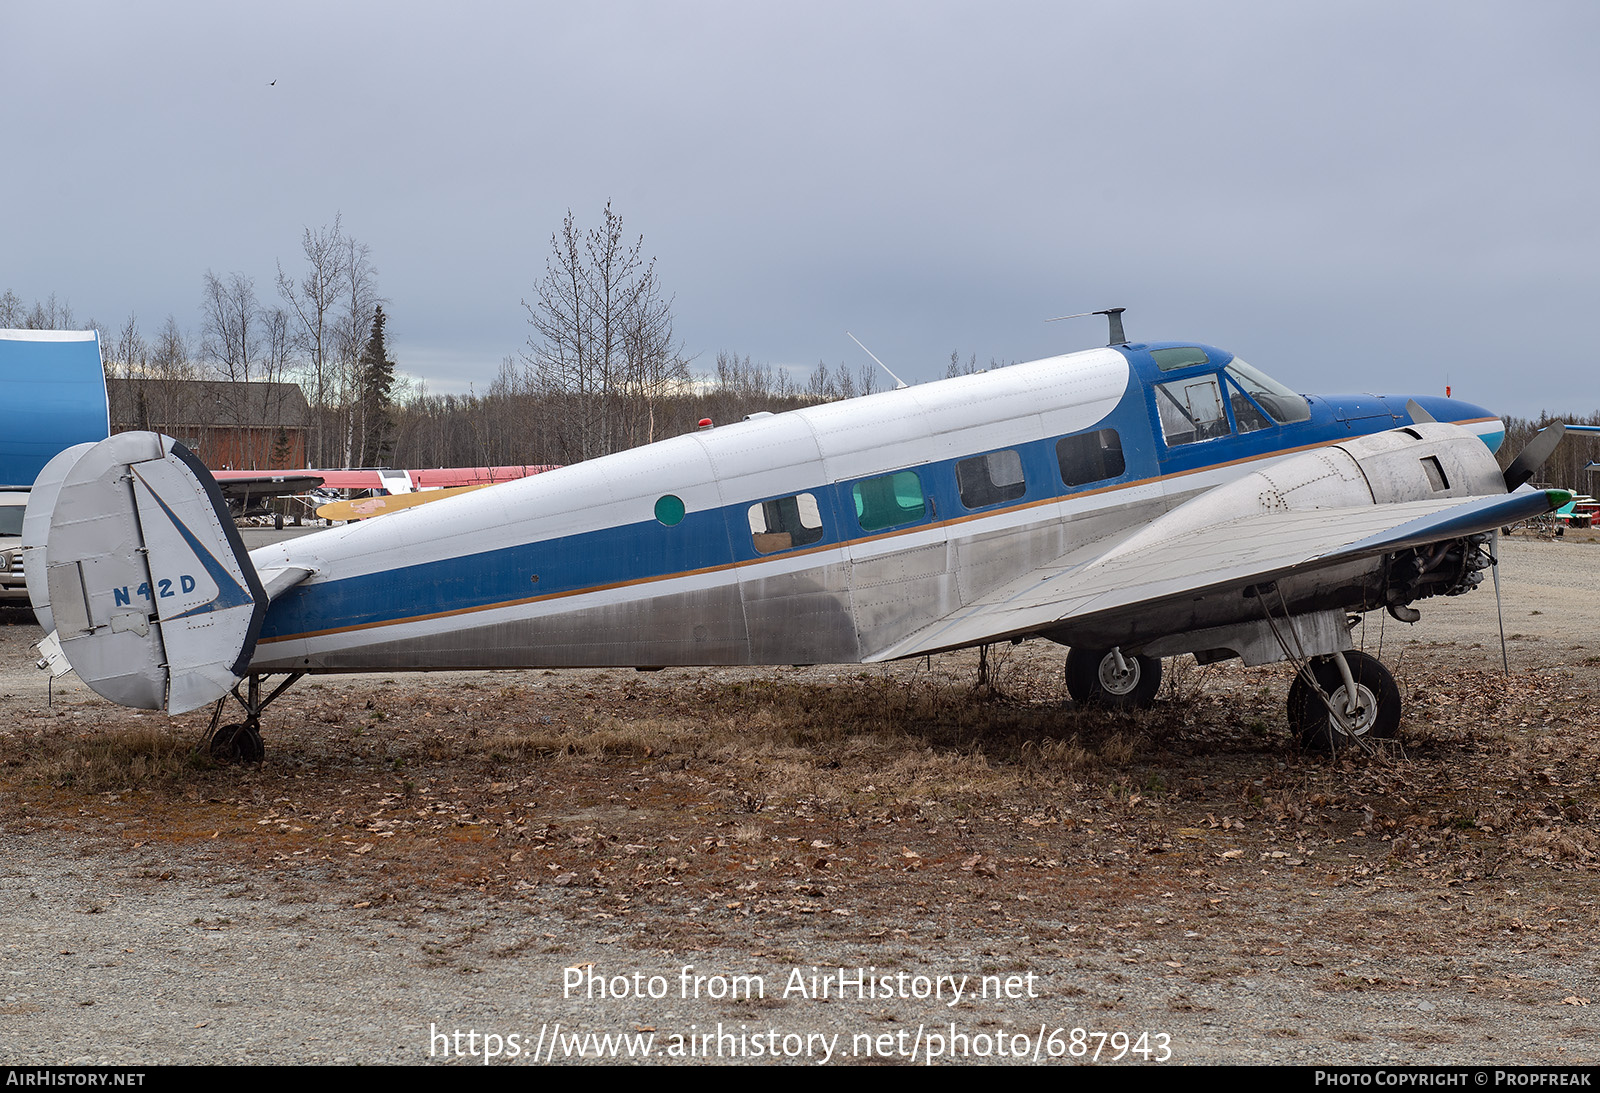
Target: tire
[(1093, 679), (1378, 702), (1298, 690), (239, 742)]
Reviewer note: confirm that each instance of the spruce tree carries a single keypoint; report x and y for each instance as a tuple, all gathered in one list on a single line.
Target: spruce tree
[(376, 384)]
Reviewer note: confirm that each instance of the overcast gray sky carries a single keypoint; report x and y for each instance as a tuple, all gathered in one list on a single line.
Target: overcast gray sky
[(1352, 196)]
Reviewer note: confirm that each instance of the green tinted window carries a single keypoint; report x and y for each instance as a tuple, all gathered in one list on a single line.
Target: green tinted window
[(1169, 359), (890, 500), (669, 510)]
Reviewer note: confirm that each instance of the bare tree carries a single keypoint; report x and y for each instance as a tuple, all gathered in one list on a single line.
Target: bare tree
[(358, 302), (230, 337), (12, 313), (820, 386), (277, 365), (50, 315), (603, 340), (231, 346), (129, 355), (171, 368), (313, 300), (654, 361), (560, 356)]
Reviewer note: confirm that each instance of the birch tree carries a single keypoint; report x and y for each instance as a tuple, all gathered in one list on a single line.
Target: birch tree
[(602, 341)]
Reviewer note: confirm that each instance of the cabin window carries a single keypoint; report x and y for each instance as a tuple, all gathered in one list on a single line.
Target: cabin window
[(784, 523), (990, 479), (890, 500), (1191, 410), (1090, 457), (670, 510)]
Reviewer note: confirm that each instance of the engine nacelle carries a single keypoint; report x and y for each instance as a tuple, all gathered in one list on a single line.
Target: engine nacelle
[(1423, 462)]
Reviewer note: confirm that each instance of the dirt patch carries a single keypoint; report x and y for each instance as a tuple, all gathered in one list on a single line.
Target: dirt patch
[(1185, 873)]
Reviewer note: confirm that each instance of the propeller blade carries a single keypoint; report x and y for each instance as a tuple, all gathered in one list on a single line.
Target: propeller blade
[(1417, 412), (1533, 456)]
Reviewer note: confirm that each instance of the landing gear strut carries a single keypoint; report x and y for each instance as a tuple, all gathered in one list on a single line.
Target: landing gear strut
[(1112, 678), (1351, 698), (240, 741)]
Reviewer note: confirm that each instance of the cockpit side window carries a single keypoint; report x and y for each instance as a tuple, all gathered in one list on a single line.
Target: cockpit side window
[(1283, 405), (1191, 410), (1247, 417)]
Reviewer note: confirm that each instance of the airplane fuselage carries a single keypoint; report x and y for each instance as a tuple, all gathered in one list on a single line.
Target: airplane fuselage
[(823, 535)]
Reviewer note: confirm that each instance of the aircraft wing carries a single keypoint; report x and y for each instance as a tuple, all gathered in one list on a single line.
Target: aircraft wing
[(364, 508), (1154, 565), (243, 488), (262, 483)]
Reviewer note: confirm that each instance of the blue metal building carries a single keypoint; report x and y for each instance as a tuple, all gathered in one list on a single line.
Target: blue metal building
[(52, 396)]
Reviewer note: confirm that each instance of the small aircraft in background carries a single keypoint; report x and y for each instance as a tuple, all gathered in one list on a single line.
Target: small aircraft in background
[(247, 492), (1578, 513), (1132, 502)]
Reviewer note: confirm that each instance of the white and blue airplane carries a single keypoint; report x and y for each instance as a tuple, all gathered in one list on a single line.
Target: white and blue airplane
[(1131, 502)]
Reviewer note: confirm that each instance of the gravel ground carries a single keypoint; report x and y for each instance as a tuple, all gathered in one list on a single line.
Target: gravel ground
[(1197, 890)]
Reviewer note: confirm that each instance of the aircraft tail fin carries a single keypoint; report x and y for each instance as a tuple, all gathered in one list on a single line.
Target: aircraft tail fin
[(145, 580)]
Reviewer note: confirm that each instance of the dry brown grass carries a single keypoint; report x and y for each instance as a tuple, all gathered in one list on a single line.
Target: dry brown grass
[(901, 795), (110, 760)]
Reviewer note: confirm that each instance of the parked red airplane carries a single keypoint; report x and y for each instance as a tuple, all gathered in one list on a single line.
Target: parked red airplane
[(246, 491)]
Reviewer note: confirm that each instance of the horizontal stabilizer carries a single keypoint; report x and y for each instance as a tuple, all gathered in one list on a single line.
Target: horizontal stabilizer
[(155, 602)]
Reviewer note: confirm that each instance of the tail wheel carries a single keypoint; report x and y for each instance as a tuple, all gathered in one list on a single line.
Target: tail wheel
[(238, 743), (1095, 678), (1377, 704)]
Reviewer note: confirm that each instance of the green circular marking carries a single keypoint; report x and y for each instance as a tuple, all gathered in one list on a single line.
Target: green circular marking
[(669, 510)]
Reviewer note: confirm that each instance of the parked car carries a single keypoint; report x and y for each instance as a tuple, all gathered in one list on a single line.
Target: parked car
[(13, 589)]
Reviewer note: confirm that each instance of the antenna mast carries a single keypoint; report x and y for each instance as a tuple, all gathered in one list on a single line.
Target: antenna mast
[(898, 382), (1113, 314)]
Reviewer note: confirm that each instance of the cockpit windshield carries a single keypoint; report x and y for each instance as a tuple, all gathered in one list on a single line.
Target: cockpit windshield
[(1284, 406)]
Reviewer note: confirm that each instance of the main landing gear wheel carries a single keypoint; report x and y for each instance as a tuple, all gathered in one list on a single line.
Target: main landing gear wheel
[(1377, 704), (239, 742), (1100, 677)]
